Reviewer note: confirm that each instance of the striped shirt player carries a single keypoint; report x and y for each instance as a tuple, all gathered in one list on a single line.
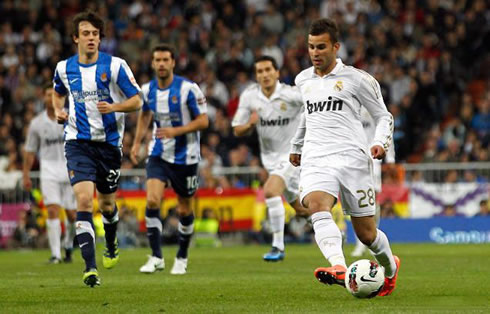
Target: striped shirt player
[(331, 135), (279, 118), (174, 106)]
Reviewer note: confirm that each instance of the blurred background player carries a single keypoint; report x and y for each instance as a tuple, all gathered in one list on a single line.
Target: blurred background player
[(332, 149), (45, 138), (370, 128), (178, 110), (274, 109), (100, 88)]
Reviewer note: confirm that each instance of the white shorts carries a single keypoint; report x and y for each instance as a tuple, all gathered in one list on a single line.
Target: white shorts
[(290, 175), (58, 193), (377, 174), (347, 175)]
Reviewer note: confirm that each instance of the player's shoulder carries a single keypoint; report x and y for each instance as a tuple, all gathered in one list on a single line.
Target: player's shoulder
[(357, 74), (187, 83), (38, 119), (303, 76), (251, 90), (107, 58), (288, 89)]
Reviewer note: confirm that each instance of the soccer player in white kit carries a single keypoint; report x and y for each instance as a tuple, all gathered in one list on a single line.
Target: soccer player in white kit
[(370, 128), (274, 109), (45, 138), (331, 147)]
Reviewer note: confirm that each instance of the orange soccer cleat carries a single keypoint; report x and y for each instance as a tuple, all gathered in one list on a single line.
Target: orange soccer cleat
[(331, 275), (390, 283)]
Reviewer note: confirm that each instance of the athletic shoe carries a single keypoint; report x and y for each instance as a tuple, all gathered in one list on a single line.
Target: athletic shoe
[(331, 275), (390, 283), (180, 266), (91, 277), (54, 260), (110, 257), (274, 255), (153, 264)]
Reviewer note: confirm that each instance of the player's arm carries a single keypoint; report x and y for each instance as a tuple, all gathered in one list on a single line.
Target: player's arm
[(30, 147), (144, 119), (59, 104), (297, 142), (247, 128), (371, 98), (201, 122), (245, 118), (131, 104)]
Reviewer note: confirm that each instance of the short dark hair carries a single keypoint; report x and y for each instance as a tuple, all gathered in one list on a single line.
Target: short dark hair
[(322, 26), (267, 58), (88, 16), (164, 47)]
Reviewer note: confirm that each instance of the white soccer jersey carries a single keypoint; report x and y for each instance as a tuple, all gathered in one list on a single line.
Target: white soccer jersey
[(331, 120), (174, 106), (45, 137), (109, 79), (279, 119)]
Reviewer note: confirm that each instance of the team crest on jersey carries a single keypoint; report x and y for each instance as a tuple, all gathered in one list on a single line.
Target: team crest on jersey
[(339, 86), (284, 107), (72, 174), (174, 99), (103, 77)]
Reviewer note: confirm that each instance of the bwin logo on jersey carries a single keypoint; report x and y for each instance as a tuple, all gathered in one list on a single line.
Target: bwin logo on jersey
[(273, 122), (324, 105)]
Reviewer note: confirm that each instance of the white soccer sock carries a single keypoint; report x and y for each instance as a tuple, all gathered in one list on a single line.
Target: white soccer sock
[(381, 251), (54, 236), (69, 235), (328, 237), (276, 218)]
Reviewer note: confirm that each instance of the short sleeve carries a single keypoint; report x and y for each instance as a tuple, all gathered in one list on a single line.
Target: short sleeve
[(126, 80), (33, 139), (145, 89), (243, 112), (58, 85), (196, 101)]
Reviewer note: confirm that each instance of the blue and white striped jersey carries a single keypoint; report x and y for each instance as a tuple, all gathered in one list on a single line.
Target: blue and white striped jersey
[(109, 79), (174, 106)]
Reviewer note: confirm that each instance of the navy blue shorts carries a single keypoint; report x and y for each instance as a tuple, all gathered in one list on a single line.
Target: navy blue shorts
[(94, 161), (183, 178)]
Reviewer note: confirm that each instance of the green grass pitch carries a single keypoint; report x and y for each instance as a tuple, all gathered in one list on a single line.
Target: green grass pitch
[(433, 279)]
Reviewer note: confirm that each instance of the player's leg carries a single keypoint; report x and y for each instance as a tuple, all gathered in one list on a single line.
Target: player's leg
[(110, 218), (154, 192), (54, 232), (85, 230), (273, 190), (377, 242), (52, 199), (185, 182)]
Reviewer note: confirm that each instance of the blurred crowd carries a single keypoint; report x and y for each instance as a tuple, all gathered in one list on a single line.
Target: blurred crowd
[(429, 57)]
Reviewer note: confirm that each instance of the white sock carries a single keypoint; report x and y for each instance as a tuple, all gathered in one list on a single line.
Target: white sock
[(69, 235), (54, 236), (328, 237), (276, 217), (381, 251)]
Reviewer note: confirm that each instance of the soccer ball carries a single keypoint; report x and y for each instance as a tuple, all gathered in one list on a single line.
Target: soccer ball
[(364, 279)]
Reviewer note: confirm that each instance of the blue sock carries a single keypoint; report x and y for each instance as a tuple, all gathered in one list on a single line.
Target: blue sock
[(86, 238), (110, 227), (186, 228), (154, 230)]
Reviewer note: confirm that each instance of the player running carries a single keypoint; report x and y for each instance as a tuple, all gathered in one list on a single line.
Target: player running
[(99, 88), (45, 138), (332, 149), (274, 109), (178, 110)]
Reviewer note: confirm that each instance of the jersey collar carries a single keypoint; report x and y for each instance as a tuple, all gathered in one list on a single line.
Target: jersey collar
[(275, 94), (335, 70)]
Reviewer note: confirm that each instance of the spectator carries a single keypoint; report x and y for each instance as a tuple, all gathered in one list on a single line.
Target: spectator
[(484, 210)]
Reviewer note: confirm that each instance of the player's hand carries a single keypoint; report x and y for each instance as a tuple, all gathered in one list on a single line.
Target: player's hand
[(104, 107), (295, 159), (378, 152), (135, 153), (61, 116), (27, 183), (254, 118), (166, 133)]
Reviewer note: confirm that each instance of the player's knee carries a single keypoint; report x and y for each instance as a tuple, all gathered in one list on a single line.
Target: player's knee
[(153, 202), (106, 205), (269, 193), (53, 211), (367, 237), (85, 202)]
